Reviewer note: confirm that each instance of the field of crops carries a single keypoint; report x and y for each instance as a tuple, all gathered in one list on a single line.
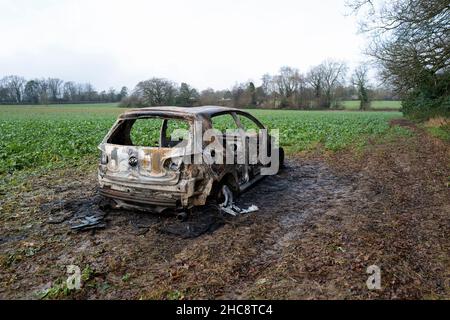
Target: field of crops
[(35, 137)]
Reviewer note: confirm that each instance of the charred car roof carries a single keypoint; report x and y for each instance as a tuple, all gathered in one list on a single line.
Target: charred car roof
[(192, 112)]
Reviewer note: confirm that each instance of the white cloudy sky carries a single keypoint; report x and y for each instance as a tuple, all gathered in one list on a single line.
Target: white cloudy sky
[(207, 43)]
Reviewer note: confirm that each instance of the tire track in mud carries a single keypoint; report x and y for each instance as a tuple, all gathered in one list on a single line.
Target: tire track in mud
[(302, 192)]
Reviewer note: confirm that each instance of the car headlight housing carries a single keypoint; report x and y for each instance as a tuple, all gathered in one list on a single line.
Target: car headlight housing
[(172, 164)]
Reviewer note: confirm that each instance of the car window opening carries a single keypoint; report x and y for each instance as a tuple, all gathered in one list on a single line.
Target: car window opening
[(152, 132)]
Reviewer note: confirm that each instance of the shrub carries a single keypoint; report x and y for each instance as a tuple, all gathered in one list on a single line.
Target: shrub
[(431, 99)]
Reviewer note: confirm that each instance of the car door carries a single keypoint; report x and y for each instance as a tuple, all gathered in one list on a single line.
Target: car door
[(250, 127), (234, 144)]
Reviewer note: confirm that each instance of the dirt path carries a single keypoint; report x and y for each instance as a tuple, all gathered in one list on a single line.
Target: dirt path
[(321, 223)]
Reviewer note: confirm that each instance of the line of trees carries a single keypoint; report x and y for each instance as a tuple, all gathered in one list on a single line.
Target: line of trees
[(322, 87), (17, 90)]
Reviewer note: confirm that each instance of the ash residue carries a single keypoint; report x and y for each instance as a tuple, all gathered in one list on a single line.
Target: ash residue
[(78, 214)]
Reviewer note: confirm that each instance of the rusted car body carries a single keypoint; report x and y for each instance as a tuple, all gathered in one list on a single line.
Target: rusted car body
[(163, 176)]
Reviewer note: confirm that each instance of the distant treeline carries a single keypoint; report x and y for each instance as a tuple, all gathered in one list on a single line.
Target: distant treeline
[(18, 90), (323, 87)]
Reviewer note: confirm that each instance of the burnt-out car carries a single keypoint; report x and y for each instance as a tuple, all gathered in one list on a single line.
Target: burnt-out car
[(172, 157)]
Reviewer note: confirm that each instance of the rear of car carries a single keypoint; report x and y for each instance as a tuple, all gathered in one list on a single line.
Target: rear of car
[(142, 165)]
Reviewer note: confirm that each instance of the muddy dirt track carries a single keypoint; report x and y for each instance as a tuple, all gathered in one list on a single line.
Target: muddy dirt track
[(322, 221)]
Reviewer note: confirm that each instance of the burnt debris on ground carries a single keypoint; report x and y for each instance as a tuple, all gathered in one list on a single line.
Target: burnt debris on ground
[(95, 212), (78, 214), (201, 220)]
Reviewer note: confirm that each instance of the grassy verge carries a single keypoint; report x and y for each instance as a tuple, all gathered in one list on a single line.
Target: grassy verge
[(442, 133), (438, 127)]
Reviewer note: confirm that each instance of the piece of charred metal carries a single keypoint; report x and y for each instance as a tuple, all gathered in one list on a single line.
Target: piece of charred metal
[(182, 170), (90, 222)]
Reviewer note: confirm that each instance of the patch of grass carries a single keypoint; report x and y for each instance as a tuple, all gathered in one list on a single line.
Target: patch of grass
[(442, 133), (58, 290), (375, 105), (174, 295), (393, 134), (126, 277), (59, 287), (11, 258), (438, 127), (350, 104), (87, 274)]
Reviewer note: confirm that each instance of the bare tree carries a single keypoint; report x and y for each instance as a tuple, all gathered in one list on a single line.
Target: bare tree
[(410, 39), (333, 75), (123, 93), (268, 88), (315, 79), (239, 96), (208, 97), (289, 83), (70, 92), (89, 92), (267, 84), (54, 87), (15, 86), (111, 96), (80, 89), (324, 79), (43, 91), (360, 80), (411, 45), (5, 92)]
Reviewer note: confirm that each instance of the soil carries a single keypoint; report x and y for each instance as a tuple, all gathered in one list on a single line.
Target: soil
[(321, 223)]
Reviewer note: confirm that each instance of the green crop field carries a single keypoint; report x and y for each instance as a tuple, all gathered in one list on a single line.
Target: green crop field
[(39, 137), (374, 105)]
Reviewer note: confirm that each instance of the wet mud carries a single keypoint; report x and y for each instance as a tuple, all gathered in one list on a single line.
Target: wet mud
[(299, 191)]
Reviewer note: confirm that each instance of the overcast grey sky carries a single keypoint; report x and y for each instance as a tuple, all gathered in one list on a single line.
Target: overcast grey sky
[(207, 43)]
